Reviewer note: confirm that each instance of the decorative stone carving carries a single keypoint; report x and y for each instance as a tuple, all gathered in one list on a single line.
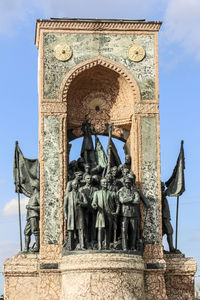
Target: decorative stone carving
[(87, 25), (136, 53), (63, 52), (96, 62), (146, 108)]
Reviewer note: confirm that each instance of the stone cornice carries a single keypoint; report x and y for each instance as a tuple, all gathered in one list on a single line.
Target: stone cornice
[(94, 25)]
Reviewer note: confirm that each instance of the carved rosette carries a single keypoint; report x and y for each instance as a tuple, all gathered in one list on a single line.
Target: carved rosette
[(97, 106)]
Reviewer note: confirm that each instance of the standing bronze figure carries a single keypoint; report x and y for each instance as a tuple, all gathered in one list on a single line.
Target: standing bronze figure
[(89, 212), (166, 218), (129, 198), (74, 203), (32, 219), (87, 150), (107, 207)]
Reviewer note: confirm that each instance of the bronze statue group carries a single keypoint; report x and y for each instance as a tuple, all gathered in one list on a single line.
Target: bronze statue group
[(101, 204), (102, 211)]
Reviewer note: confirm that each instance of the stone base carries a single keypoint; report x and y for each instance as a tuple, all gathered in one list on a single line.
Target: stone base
[(99, 276), (21, 277), (179, 277), (102, 276)]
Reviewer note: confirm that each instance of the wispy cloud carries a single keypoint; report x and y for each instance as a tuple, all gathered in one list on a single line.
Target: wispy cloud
[(17, 11), (99, 9), (11, 208), (181, 17), (12, 12), (182, 23)]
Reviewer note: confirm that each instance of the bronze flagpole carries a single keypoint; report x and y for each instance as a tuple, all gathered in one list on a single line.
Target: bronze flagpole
[(177, 207), (110, 128), (18, 190)]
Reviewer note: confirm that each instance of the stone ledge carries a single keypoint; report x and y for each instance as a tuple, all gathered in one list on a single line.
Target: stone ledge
[(21, 265), (104, 261), (180, 265)]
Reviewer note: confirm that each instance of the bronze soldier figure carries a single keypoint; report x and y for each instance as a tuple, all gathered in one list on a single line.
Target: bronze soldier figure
[(127, 165), (129, 198), (166, 224), (32, 219)]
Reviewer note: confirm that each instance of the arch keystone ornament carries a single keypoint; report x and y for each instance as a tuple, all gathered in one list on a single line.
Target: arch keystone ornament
[(112, 248)]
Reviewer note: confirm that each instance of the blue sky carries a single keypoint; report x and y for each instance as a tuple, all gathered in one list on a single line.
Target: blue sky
[(179, 67)]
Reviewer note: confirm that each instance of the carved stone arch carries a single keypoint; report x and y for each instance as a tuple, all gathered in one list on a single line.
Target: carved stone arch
[(102, 61)]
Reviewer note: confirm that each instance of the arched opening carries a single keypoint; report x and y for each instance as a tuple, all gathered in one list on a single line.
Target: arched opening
[(98, 95)]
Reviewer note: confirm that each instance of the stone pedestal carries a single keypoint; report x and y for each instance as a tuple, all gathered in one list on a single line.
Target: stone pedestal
[(76, 277), (21, 277), (102, 276), (92, 276), (179, 277)]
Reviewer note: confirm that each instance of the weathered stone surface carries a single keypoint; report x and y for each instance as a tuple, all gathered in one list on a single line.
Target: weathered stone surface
[(51, 179), (179, 277), (155, 285), (102, 276), (50, 285), (87, 46), (21, 277), (150, 178)]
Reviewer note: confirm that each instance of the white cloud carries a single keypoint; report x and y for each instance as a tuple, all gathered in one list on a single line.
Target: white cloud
[(99, 9), (11, 208), (181, 17), (182, 23), (15, 12), (12, 11)]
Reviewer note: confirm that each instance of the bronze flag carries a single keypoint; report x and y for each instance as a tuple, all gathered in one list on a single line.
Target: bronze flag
[(101, 158), (176, 183), (25, 172)]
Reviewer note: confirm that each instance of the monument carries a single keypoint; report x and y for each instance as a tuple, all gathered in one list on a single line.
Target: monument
[(100, 228)]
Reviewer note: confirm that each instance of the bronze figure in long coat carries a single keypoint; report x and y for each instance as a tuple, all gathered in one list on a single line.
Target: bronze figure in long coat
[(74, 203), (108, 207)]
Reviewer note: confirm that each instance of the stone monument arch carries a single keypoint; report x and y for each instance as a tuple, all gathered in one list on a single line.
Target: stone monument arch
[(96, 90), (102, 72)]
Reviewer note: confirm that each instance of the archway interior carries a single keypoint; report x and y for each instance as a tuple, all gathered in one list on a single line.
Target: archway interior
[(101, 96)]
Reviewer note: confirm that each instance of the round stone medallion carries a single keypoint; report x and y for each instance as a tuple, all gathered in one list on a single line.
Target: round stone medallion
[(63, 52), (136, 53)]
